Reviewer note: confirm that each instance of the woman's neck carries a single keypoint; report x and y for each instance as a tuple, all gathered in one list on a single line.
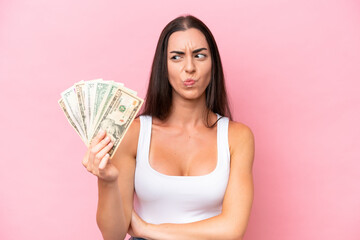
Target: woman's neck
[(188, 113)]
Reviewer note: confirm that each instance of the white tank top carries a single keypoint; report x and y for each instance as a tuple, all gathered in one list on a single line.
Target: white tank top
[(161, 198)]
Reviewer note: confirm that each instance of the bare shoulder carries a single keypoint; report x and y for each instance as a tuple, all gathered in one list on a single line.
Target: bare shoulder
[(239, 132), (241, 141)]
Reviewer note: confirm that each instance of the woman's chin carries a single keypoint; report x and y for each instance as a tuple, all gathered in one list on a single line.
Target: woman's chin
[(191, 96)]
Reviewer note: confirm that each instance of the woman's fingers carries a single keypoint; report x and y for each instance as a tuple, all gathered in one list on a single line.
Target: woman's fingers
[(97, 161), (104, 161), (103, 152), (97, 157), (92, 151), (98, 138), (85, 159), (96, 149)]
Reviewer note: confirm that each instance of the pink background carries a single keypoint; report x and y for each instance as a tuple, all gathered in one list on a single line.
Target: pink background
[(292, 71)]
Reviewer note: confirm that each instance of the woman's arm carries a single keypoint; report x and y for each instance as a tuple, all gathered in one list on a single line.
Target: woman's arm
[(116, 197), (232, 222)]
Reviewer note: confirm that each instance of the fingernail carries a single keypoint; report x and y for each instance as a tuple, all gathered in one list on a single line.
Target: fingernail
[(101, 131)]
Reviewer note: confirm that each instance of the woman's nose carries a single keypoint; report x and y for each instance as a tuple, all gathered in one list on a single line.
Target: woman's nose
[(189, 65)]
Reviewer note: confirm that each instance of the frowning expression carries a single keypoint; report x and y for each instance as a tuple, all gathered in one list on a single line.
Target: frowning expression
[(189, 63)]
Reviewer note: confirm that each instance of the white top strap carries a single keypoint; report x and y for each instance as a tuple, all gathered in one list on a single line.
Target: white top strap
[(144, 138), (223, 125)]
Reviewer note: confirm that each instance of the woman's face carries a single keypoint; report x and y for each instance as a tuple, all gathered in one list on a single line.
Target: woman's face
[(189, 63)]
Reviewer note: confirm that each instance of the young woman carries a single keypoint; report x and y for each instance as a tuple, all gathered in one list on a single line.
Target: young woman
[(188, 163)]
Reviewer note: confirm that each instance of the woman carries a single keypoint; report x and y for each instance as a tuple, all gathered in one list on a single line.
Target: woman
[(176, 155)]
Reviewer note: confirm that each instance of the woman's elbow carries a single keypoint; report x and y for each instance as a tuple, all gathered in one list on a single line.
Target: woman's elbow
[(235, 234), (236, 237)]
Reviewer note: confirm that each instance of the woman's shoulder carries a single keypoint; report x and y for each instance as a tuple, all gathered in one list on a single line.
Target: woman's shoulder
[(239, 134), (239, 128)]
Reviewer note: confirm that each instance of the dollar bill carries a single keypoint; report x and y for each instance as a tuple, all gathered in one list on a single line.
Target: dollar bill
[(118, 116), (106, 101), (72, 107), (97, 104), (101, 91), (89, 99), (62, 105), (79, 90)]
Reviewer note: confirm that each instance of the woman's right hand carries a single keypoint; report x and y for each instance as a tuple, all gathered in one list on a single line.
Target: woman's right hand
[(96, 159)]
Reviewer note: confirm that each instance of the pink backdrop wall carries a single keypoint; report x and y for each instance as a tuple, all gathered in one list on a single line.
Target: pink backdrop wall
[(292, 70)]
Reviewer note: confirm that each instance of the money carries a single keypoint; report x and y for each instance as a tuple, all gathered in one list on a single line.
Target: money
[(89, 96), (102, 88), (62, 105), (72, 108), (79, 90), (120, 112), (104, 103), (93, 105)]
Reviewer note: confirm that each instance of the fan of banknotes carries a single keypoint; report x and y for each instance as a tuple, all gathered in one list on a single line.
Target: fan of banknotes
[(92, 105)]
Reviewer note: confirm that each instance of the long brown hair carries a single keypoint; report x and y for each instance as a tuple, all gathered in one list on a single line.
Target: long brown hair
[(158, 100)]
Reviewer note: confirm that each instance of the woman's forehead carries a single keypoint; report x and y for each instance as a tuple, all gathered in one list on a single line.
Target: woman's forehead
[(189, 39)]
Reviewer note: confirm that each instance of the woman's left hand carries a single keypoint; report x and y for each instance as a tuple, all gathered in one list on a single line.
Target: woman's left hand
[(137, 226)]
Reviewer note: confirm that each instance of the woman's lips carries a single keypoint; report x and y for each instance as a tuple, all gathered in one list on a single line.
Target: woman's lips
[(189, 82)]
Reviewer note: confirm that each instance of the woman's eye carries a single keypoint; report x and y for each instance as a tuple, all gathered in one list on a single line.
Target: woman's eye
[(201, 55), (176, 57)]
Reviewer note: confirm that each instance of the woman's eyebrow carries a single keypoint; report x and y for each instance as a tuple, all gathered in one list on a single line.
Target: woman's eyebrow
[(195, 51)]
